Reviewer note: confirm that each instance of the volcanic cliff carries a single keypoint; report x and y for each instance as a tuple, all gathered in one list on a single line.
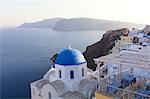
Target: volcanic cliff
[(100, 48)]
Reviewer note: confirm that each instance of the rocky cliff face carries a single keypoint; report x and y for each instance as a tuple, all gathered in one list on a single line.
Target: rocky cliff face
[(103, 47), (100, 48)]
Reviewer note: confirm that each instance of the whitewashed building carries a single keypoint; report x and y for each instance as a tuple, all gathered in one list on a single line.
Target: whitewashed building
[(70, 79), (125, 75)]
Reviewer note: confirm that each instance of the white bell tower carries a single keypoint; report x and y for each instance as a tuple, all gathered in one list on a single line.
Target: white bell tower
[(71, 68)]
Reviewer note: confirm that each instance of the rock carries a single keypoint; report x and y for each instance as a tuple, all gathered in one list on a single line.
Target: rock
[(102, 47)]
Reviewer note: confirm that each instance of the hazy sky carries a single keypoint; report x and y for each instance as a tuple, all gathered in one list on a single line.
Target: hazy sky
[(16, 12)]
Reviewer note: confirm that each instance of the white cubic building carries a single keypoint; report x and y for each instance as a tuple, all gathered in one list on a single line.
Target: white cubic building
[(70, 79)]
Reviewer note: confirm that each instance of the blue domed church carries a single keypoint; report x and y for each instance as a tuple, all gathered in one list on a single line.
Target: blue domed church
[(70, 79)]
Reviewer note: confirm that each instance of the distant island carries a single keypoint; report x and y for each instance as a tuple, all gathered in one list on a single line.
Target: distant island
[(103, 46), (79, 24), (46, 23)]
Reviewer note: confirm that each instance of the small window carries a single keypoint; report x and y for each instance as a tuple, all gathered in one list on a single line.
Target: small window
[(49, 96), (82, 72), (59, 73), (71, 74)]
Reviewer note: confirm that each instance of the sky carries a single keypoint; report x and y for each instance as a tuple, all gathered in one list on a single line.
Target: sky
[(16, 12)]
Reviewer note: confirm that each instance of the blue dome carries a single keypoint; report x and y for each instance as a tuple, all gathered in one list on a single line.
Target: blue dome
[(70, 57)]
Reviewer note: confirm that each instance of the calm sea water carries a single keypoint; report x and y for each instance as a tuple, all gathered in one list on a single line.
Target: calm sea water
[(25, 55)]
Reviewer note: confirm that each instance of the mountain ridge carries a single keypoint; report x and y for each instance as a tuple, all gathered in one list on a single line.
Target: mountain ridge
[(45, 23), (79, 24)]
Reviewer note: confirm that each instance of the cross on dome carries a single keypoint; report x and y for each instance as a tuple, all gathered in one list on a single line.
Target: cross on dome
[(69, 46)]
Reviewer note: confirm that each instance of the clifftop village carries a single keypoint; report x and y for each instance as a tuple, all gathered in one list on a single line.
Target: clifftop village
[(123, 74)]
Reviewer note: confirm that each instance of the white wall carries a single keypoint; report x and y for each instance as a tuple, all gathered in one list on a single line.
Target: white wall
[(46, 89), (72, 84), (35, 92)]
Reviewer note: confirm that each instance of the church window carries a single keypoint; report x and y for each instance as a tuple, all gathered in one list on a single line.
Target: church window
[(82, 72), (49, 96), (71, 74), (59, 73)]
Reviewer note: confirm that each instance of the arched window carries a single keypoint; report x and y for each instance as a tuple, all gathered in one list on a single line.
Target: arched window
[(59, 73), (82, 72), (49, 96), (72, 74)]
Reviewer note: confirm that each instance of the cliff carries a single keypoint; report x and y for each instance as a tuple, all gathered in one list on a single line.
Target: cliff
[(82, 24), (102, 47), (78, 24), (46, 23)]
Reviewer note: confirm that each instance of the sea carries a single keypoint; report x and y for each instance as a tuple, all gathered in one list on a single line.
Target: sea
[(25, 55)]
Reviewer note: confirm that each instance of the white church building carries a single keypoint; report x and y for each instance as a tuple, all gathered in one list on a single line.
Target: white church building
[(70, 79)]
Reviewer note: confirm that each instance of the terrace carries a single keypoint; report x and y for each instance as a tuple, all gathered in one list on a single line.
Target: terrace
[(127, 77)]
